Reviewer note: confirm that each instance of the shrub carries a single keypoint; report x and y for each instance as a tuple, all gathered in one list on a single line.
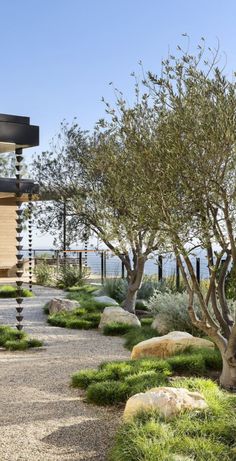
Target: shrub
[(137, 334), (87, 302), (89, 289), (116, 288), (70, 275), (9, 291), (107, 392), (114, 382), (92, 317), (116, 329), (69, 320), (114, 392), (33, 342), (16, 340), (149, 285), (80, 324), (44, 274), (172, 311), (146, 321), (91, 305), (84, 378), (193, 363)]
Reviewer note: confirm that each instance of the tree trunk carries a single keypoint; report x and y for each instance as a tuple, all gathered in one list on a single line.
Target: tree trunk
[(130, 300), (228, 375), (135, 280)]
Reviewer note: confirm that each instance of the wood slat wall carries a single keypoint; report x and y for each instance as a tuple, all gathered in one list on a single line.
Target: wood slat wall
[(7, 238)]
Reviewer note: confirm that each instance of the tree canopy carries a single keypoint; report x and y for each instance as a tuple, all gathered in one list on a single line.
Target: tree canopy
[(161, 175)]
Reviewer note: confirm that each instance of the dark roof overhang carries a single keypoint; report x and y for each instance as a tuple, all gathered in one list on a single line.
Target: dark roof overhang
[(8, 190), (16, 132)]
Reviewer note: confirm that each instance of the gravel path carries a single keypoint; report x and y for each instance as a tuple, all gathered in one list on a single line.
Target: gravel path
[(41, 417)]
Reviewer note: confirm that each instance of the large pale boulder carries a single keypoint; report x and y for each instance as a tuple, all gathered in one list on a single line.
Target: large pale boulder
[(168, 345), (119, 315), (168, 401), (106, 299), (61, 305)]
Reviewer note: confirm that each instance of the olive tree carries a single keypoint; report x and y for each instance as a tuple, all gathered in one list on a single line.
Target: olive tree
[(98, 175), (194, 194)]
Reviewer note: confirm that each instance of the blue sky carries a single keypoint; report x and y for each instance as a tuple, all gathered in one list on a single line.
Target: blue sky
[(58, 56)]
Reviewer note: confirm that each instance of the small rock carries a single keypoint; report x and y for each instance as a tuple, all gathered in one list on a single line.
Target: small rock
[(61, 305), (168, 345), (106, 299), (117, 314), (168, 401)]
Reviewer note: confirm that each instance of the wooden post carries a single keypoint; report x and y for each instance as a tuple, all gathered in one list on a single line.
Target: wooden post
[(160, 268)]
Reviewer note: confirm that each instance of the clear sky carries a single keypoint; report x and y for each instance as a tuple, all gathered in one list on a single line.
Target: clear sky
[(58, 56)]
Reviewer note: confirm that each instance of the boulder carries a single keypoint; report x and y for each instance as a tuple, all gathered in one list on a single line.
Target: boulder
[(168, 345), (168, 401), (61, 305), (119, 315), (106, 299)]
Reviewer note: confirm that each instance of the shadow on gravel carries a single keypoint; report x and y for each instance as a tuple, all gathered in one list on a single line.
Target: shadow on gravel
[(94, 435)]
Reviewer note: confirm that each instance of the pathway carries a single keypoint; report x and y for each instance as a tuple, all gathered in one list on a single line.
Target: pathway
[(41, 417)]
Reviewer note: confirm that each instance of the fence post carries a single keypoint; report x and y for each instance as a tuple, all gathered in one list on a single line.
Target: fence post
[(86, 253), (105, 264), (80, 263), (102, 268), (177, 276), (198, 270), (160, 268), (122, 270)]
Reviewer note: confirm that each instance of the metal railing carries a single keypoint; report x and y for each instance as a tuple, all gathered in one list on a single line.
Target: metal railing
[(103, 264)]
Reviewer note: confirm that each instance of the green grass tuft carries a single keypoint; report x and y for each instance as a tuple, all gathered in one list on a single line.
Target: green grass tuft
[(9, 291), (146, 321), (137, 334), (14, 340), (116, 329), (82, 289)]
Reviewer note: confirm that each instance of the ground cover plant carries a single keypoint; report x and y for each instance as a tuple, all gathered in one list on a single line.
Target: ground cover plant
[(114, 382), (9, 291), (116, 329), (207, 435), (16, 340), (85, 317), (136, 335)]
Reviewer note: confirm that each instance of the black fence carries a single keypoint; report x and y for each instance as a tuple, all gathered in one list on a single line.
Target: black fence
[(104, 264)]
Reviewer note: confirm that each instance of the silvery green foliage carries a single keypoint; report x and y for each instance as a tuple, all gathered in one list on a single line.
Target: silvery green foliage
[(232, 307), (172, 311)]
